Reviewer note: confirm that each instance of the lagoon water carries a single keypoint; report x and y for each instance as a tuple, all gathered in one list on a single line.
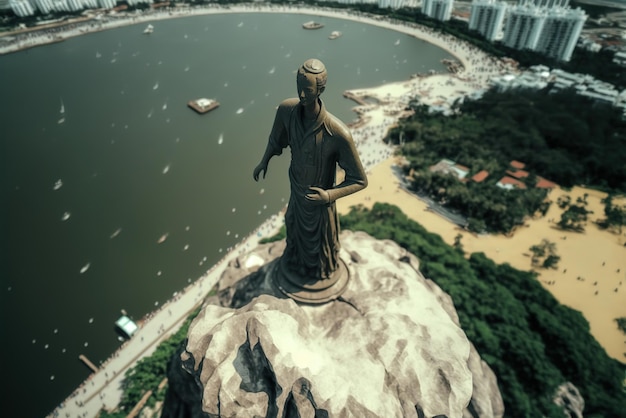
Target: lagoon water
[(106, 114)]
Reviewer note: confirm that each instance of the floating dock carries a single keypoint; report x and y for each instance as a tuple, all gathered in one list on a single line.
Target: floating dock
[(203, 105)]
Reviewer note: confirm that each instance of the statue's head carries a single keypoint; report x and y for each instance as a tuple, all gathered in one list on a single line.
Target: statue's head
[(311, 79)]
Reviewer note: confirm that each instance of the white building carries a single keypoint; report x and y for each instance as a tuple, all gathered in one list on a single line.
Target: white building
[(560, 32), (548, 4), (22, 8), (75, 5), (107, 4), (437, 9), (620, 58), (396, 4), (136, 2), (44, 6), (523, 27), (487, 17), (90, 4)]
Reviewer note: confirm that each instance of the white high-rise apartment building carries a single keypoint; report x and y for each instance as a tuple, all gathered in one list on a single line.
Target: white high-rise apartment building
[(487, 17), (437, 9), (107, 4), (22, 8), (135, 2), (546, 3), (523, 27), (74, 5), (44, 6), (560, 32), (90, 4), (396, 4)]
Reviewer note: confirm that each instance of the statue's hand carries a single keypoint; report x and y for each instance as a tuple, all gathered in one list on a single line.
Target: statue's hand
[(261, 167), (318, 196)]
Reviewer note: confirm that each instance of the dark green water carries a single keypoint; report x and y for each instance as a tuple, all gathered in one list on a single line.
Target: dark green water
[(118, 136)]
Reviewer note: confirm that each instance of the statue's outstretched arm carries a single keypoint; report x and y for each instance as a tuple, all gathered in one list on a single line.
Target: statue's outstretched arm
[(275, 144)]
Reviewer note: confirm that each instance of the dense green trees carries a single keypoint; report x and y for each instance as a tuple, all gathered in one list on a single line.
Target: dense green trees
[(560, 136), (531, 341), (615, 215), (544, 254)]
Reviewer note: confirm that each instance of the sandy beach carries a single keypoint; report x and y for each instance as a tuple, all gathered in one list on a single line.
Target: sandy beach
[(582, 255)]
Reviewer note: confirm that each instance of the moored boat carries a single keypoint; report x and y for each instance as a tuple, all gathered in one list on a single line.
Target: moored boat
[(312, 25), (335, 34), (203, 105)]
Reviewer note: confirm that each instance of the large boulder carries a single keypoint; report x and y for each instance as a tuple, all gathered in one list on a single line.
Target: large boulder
[(390, 346)]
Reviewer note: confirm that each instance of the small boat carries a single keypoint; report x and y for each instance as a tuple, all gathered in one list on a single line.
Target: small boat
[(60, 121), (149, 29), (335, 34), (85, 268), (203, 105), (220, 140), (127, 326), (312, 25), (163, 238), (98, 55), (62, 110), (397, 42), (58, 184), (65, 216), (166, 169), (116, 233), (156, 86), (240, 111)]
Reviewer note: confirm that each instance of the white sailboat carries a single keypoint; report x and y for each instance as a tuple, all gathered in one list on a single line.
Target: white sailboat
[(62, 110)]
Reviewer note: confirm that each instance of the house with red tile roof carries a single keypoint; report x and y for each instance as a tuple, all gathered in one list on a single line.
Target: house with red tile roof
[(517, 164), (480, 176), (509, 183), (545, 184), (518, 174)]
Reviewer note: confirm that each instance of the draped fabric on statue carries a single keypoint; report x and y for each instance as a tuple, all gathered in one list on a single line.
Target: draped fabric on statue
[(313, 229)]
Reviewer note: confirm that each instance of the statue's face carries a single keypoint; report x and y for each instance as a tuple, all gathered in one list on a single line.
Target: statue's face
[(307, 89)]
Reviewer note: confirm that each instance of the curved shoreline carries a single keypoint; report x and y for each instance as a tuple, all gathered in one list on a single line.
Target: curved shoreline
[(32, 37)]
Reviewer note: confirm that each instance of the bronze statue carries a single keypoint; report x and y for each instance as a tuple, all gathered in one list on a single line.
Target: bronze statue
[(310, 268)]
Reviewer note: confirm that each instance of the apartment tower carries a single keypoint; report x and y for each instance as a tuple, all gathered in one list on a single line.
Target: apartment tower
[(487, 17)]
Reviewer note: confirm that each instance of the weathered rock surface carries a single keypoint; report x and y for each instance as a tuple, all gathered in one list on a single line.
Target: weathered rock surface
[(389, 347), (568, 397)]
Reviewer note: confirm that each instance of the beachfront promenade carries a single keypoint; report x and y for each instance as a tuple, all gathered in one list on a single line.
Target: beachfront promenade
[(103, 389)]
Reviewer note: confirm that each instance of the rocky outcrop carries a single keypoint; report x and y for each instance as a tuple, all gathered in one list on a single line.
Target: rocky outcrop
[(391, 346), (568, 397)]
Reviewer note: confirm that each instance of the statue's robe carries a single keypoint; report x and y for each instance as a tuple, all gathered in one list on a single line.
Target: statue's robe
[(313, 228)]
